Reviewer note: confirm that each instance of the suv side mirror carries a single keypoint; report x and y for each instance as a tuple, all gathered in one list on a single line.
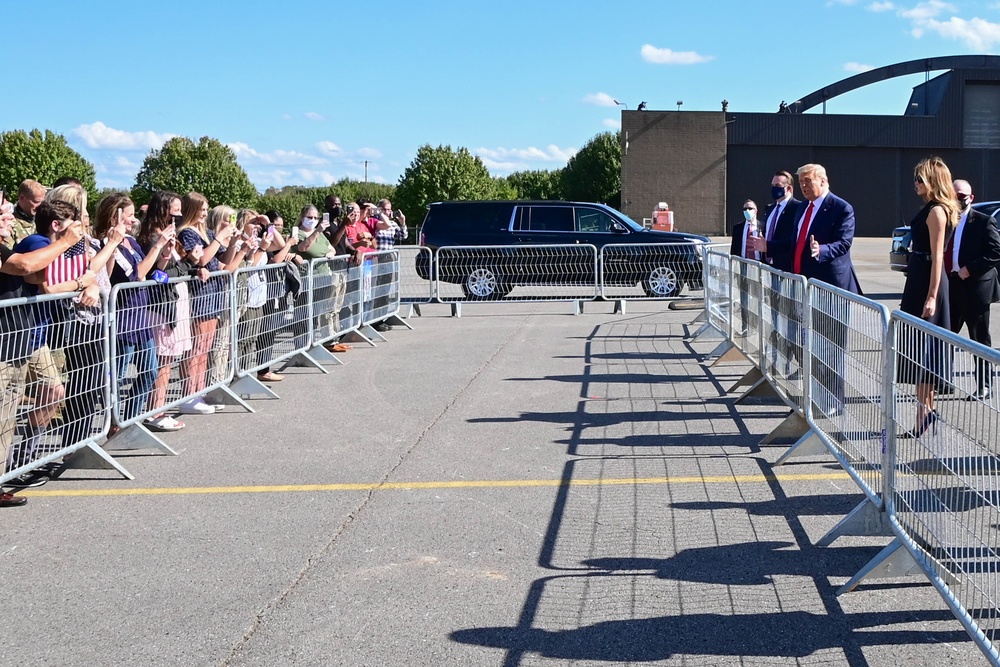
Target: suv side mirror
[(618, 228)]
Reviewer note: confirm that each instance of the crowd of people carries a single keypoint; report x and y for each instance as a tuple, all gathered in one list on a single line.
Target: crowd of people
[(52, 353), (952, 276)]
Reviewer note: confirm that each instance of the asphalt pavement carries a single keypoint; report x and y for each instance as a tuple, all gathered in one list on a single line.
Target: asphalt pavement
[(518, 486)]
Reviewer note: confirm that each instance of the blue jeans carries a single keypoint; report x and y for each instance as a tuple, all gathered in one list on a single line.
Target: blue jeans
[(146, 368)]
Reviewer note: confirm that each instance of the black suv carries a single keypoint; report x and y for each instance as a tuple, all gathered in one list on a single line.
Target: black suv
[(662, 271)]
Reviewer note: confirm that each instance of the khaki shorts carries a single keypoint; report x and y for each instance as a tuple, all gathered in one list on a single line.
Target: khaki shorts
[(42, 368), (11, 390)]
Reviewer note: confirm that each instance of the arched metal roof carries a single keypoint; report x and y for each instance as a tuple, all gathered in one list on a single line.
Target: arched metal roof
[(891, 72)]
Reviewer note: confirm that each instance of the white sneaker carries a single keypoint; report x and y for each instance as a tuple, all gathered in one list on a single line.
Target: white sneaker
[(196, 406)]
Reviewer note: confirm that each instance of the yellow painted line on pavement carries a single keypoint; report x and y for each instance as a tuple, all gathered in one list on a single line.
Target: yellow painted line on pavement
[(456, 484)]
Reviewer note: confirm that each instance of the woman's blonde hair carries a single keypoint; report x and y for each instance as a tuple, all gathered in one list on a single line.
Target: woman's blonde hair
[(219, 215), (71, 194), (191, 205), (939, 186)]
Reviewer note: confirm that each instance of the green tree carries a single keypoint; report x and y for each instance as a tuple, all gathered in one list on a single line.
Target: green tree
[(537, 184), (441, 174), (289, 200), (595, 173), (208, 167), (42, 157)]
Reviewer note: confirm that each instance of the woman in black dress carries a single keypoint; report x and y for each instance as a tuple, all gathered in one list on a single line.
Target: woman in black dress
[(925, 293)]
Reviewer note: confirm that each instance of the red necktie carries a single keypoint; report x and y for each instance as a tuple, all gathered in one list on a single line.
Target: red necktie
[(800, 244), (750, 254)]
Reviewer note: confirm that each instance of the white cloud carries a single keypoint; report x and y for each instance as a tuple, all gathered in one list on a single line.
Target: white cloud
[(977, 34), (278, 157), (328, 147), (314, 177), (857, 67), (369, 153), (98, 135), (125, 163), (880, 7), (613, 123), (600, 100), (926, 10), (550, 153), (312, 115), (652, 54)]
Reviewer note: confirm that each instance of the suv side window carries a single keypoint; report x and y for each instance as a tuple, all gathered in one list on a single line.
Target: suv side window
[(591, 220), (550, 219)]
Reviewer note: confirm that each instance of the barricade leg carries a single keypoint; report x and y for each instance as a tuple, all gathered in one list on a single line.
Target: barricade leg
[(90, 456), (761, 389), (397, 321), (414, 309), (224, 395), (706, 331), (305, 360), (726, 353), (809, 444), (752, 376), (138, 436), (322, 355), (620, 306), (355, 336), (867, 519), (250, 387), (893, 561), (700, 317), (794, 426)]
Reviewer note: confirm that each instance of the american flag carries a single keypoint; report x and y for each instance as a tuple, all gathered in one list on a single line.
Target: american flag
[(68, 266)]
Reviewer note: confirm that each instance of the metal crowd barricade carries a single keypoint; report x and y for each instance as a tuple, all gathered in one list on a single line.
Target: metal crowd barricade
[(56, 393), (516, 273), (336, 304), (718, 301), (380, 291), (943, 500), (706, 328), (169, 350), (636, 271), (415, 261), (845, 410)]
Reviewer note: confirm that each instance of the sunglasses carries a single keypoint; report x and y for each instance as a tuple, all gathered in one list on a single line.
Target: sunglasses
[(917, 179)]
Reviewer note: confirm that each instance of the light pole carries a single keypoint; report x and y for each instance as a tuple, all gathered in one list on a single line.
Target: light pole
[(679, 104)]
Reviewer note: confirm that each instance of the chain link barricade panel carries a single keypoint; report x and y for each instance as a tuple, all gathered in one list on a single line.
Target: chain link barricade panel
[(746, 289), (517, 273), (846, 372), (783, 296), (379, 286), (179, 334), (718, 303), (415, 284), (54, 377), (334, 314), (944, 500), (636, 271)]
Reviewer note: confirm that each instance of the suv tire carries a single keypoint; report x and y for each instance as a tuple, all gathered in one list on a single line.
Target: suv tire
[(483, 284), (662, 282)]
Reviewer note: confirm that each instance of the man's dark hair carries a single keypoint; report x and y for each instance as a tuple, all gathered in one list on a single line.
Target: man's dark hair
[(53, 211), (787, 175), (67, 180), (272, 215)]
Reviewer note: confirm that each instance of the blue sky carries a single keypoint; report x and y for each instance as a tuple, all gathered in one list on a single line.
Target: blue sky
[(306, 91)]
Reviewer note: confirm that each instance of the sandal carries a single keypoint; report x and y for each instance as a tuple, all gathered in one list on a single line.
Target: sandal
[(163, 423), (338, 348)]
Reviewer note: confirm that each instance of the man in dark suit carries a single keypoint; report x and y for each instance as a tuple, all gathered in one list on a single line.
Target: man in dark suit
[(744, 233), (786, 311), (820, 248), (971, 258)]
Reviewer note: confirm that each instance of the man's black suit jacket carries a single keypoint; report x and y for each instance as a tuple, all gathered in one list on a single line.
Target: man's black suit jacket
[(979, 252), (785, 229)]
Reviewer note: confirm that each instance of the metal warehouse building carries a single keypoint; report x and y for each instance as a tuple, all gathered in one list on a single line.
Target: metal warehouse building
[(704, 164)]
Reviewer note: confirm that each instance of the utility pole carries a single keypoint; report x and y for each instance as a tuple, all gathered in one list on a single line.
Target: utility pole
[(366, 171)]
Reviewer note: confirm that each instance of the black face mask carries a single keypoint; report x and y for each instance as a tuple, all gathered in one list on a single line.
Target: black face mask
[(335, 211)]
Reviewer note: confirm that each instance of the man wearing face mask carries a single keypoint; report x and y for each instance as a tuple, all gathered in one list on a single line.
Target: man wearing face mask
[(743, 246), (779, 223), (971, 258), (335, 233)]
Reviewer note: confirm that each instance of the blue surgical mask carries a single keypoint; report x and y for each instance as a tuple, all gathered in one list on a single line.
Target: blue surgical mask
[(308, 224), (777, 192), (748, 215)]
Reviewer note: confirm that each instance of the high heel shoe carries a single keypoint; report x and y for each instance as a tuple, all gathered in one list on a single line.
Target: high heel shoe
[(930, 421)]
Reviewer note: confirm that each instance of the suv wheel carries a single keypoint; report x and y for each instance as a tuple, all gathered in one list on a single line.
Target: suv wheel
[(483, 284), (662, 281)]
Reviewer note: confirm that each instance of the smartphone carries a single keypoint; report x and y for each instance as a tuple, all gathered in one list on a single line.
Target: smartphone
[(295, 233), (3, 195), (119, 216), (270, 231), (396, 214), (326, 218)]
